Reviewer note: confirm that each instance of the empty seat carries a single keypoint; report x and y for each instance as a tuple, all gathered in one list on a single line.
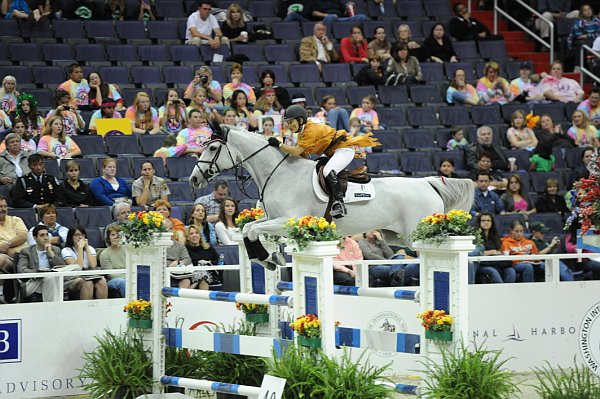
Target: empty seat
[(28, 215), (410, 9), (57, 51), (119, 145), (68, 29), (154, 53), (254, 52), (93, 216), (95, 236), (390, 140), (180, 191), (538, 180), (131, 30), (422, 116), (121, 53), (90, 144), (522, 158), (418, 138), (180, 168), (51, 167), (555, 109), (419, 161), (146, 74), (387, 11), (149, 143), (90, 53), (286, 30), (9, 28), (466, 50), (185, 53), (486, 115), (25, 52), (177, 74), (45, 97), (170, 9), (383, 161), (453, 116), (336, 73), (99, 29), (261, 9), (492, 49), (304, 73), (342, 29), (573, 157), (279, 53), (392, 117), (355, 94), (115, 74), (422, 94), (437, 8), (65, 216), (163, 30), (389, 95), (208, 53)]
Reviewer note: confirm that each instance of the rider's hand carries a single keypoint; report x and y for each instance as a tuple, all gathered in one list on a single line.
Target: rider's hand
[(274, 142)]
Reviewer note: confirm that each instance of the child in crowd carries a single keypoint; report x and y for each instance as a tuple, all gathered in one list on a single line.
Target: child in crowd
[(201, 102), (367, 114), (170, 149), (458, 140), (172, 113), (543, 160), (519, 135), (355, 130)]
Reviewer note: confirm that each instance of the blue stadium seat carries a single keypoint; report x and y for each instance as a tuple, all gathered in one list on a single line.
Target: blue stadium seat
[(389, 95), (451, 67), (208, 53), (410, 9), (492, 49), (369, 27), (90, 145), (286, 30), (9, 28), (342, 29), (254, 52), (355, 94), (422, 116), (65, 216), (337, 92), (336, 73), (90, 53), (180, 191), (177, 74), (185, 53), (51, 167), (68, 29), (25, 52), (20, 72), (145, 75), (418, 161), (425, 94), (573, 157), (95, 237), (28, 215), (281, 74), (149, 143), (99, 29), (392, 117), (158, 163), (45, 97), (261, 9), (437, 9), (218, 74), (180, 168), (115, 74), (87, 170), (170, 9), (390, 140), (454, 116), (304, 73), (127, 30), (555, 109), (503, 223), (121, 53), (121, 145), (163, 30), (93, 216), (486, 115), (418, 139), (457, 156), (154, 53), (306, 92), (552, 220), (522, 157), (279, 53), (389, 9), (466, 50), (57, 52), (382, 161)]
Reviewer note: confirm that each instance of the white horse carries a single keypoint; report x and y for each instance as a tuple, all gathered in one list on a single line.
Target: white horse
[(286, 190)]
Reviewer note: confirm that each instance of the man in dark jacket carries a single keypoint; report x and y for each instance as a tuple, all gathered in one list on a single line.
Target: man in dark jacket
[(464, 27), (484, 143)]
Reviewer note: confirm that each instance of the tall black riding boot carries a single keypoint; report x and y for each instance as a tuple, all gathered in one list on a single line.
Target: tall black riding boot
[(338, 209)]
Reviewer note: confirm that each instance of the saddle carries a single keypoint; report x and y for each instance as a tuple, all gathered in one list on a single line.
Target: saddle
[(358, 175)]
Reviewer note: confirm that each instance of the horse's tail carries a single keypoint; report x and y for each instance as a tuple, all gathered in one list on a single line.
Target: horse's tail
[(456, 193)]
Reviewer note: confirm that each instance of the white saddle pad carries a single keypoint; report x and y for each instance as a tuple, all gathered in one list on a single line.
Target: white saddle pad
[(355, 192)]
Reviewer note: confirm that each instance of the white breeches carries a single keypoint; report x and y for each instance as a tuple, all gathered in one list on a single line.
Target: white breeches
[(340, 159)]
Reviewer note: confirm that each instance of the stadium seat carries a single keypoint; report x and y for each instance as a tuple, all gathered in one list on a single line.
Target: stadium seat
[(254, 52), (158, 163), (437, 9), (163, 30), (28, 215), (115, 74), (170, 9), (336, 73), (538, 180), (99, 29), (9, 28), (418, 139), (375, 11), (304, 73), (208, 53), (286, 30), (180, 168), (184, 53), (425, 94), (45, 97), (118, 53), (20, 72), (127, 30), (492, 49), (90, 53), (486, 115), (389, 95), (422, 116), (149, 143), (451, 67), (522, 157), (65, 216), (555, 109), (87, 170), (305, 91), (419, 161), (25, 52), (279, 53), (503, 222), (392, 117), (90, 145), (573, 157), (390, 140), (281, 75), (454, 116), (261, 9), (457, 156), (342, 29), (144, 75), (57, 52), (177, 75), (51, 167), (433, 72), (382, 161), (180, 191), (68, 29), (552, 220), (121, 145), (95, 236), (466, 50), (337, 92), (410, 9), (355, 94)]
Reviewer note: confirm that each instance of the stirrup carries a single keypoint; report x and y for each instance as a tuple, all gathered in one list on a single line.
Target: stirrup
[(338, 209)]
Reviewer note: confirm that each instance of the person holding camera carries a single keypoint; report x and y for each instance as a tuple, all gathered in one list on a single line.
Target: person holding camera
[(73, 123), (203, 79), (146, 11), (172, 113)]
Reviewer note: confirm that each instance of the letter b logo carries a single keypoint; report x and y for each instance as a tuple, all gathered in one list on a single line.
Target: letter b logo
[(10, 341)]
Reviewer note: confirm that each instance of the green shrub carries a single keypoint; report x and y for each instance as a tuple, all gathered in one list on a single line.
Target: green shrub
[(571, 383)]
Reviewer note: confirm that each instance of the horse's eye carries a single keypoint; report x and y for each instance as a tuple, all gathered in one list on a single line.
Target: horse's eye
[(212, 148)]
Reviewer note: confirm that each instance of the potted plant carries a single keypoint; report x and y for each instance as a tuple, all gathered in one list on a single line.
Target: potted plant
[(118, 368), (254, 313), (308, 328), (565, 383), (436, 229), (309, 229), (437, 325), (248, 215), (139, 313), (141, 228)]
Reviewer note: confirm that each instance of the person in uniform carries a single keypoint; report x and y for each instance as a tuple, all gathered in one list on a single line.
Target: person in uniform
[(149, 188), (36, 188), (317, 138)]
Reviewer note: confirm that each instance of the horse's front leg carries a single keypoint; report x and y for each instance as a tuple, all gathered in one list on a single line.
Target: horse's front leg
[(251, 240)]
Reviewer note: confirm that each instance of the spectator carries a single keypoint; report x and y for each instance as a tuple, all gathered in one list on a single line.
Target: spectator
[(170, 149), (107, 111), (267, 104), (177, 255), (372, 74), (485, 138), (13, 237), (519, 135), (164, 207), (326, 11), (346, 274), (172, 113), (114, 10), (212, 202), (234, 26), (54, 143), (146, 11), (99, 90), (446, 169), (366, 114), (582, 132), (13, 161), (27, 112), (5, 123), (380, 45), (582, 169), (202, 253), (486, 200), (555, 87), (198, 218), (267, 81), (460, 92), (484, 164), (83, 9), (148, 188), (237, 84), (516, 244), (374, 247), (591, 106), (551, 9), (196, 134), (114, 257), (538, 229), (203, 28), (268, 129), (224, 227), (543, 160), (585, 30), (551, 201), (19, 9), (403, 68), (438, 47), (553, 134), (491, 246), (464, 27), (28, 145), (332, 115), (78, 251), (8, 94), (144, 118), (405, 37), (203, 79), (45, 257), (36, 188), (354, 48), (521, 87), (109, 188), (318, 48), (515, 201), (590, 268), (356, 129), (51, 9), (77, 193), (244, 118), (72, 122), (458, 140), (492, 88), (208, 110), (121, 211), (77, 87)]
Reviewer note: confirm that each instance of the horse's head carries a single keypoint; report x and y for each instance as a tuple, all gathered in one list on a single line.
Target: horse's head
[(215, 159)]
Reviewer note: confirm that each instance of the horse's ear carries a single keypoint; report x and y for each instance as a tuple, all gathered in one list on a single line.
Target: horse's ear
[(218, 131)]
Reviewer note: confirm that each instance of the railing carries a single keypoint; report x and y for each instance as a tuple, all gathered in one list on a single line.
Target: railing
[(582, 69), (498, 10)]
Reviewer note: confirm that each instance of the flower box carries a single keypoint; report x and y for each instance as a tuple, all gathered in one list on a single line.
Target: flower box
[(315, 248), (309, 341), (140, 323), (439, 335), (257, 317)]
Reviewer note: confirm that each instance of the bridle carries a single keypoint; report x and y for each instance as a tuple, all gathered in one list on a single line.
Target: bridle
[(214, 169)]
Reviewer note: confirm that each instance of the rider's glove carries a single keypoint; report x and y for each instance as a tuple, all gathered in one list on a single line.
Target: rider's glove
[(274, 142)]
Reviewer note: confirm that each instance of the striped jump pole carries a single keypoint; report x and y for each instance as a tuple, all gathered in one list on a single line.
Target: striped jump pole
[(223, 296), (211, 386), (362, 291), (402, 388)]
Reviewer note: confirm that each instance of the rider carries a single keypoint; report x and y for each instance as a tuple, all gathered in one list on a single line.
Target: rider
[(317, 138)]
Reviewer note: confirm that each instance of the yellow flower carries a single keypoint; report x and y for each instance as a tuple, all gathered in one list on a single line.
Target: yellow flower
[(333, 225), (323, 224)]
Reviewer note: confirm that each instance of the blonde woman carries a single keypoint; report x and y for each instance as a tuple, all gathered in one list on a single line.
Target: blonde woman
[(144, 118), (54, 143), (492, 88), (235, 27), (584, 133), (202, 253), (8, 94)]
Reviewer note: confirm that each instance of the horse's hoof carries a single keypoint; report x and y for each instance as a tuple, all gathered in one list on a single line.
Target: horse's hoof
[(266, 264), (277, 258)]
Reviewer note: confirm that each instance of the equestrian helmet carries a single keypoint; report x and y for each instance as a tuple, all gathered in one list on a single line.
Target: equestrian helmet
[(296, 112)]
